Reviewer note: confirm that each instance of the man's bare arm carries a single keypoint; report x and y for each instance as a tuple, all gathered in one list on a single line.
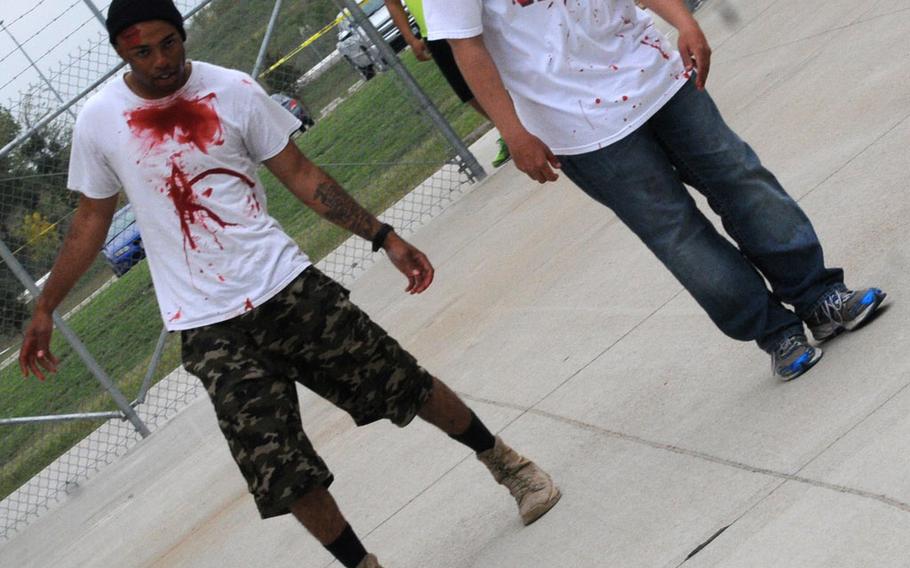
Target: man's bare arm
[(81, 246), (529, 153), (400, 17), (318, 191)]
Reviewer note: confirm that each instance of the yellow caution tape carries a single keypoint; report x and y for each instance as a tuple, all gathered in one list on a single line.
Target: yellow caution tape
[(309, 40)]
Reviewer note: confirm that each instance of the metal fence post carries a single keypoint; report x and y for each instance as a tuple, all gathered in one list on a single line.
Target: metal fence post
[(97, 13), (390, 57), (122, 403), (266, 39)]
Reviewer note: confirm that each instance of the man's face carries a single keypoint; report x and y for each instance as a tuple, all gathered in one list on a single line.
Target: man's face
[(156, 56)]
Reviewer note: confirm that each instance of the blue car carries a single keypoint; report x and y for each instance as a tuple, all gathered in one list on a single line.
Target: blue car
[(123, 246)]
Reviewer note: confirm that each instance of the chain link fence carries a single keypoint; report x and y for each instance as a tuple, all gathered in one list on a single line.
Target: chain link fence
[(365, 127)]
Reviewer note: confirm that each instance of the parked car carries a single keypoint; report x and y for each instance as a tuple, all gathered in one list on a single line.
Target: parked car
[(357, 49), (123, 246), (296, 108)]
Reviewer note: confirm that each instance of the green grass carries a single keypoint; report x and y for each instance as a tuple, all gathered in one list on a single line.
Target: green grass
[(376, 126)]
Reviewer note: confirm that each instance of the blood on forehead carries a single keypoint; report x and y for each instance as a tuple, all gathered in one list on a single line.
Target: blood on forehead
[(131, 36)]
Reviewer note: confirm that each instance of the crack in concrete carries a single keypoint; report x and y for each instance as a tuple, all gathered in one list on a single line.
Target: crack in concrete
[(882, 498), (701, 546)]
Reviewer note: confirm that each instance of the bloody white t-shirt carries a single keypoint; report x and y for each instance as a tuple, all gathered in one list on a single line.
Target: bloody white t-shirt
[(582, 73), (188, 164)]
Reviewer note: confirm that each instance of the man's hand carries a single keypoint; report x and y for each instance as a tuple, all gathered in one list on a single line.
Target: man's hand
[(420, 49), (695, 51), (411, 262), (36, 349), (532, 156)]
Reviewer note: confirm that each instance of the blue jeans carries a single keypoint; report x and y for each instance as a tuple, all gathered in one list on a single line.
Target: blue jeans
[(641, 179)]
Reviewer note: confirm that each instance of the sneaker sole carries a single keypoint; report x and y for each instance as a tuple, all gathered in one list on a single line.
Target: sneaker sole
[(543, 508), (830, 331), (803, 367)]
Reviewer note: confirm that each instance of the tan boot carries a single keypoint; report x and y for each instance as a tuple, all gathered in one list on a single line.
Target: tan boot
[(369, 561), (531, 487)]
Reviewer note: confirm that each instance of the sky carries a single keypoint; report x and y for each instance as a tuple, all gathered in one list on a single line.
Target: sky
[(69, 21)]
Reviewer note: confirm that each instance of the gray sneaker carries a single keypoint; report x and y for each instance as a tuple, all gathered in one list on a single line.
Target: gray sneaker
[(793, 357), (532, 488), (369, 561), (843, 309)]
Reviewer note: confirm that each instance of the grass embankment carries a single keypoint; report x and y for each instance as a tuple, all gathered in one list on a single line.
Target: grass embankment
[(377, 125)]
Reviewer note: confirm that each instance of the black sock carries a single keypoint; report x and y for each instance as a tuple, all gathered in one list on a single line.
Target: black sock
[(347, 548), (476, 437)]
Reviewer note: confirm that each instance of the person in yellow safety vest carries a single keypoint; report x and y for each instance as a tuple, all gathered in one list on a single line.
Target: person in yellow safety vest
[(441, 53)]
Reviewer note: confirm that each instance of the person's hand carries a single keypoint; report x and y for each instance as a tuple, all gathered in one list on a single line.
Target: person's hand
[(532, 156), (36, 349), (411, 262), (420, 49), (695, 51)]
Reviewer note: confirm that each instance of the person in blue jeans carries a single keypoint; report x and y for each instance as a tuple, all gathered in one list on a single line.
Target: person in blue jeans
[(591, 87)]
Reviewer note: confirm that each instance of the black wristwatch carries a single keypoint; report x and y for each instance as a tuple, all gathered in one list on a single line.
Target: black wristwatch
[(380, 236)]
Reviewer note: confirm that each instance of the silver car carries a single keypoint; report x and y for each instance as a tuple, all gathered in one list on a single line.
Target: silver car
[(356, 47)]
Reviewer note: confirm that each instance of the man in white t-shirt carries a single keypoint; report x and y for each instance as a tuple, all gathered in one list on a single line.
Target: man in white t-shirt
[(184, 141), (591, 87)]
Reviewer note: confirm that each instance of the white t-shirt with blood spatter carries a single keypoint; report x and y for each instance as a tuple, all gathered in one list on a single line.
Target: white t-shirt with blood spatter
[(188, 164), (582, 73)]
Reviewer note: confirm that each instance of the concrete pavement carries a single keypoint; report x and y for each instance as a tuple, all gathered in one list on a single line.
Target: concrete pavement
[(573, 342)]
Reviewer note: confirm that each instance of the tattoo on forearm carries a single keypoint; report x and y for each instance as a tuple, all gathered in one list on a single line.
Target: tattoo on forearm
[(341, 209)]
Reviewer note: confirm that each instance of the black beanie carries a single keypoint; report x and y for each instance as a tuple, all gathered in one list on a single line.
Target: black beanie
[(125, 13)]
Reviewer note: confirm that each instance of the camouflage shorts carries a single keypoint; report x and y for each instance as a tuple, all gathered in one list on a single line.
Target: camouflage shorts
[(309, 333)]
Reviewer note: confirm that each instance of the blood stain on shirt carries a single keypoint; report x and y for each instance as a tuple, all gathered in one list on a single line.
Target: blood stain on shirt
[(176, 316), (656, 45), (189, 210), (248, 305), (186, 121)]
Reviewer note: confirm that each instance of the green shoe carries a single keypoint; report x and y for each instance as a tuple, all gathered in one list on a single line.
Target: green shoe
[(503, 156)]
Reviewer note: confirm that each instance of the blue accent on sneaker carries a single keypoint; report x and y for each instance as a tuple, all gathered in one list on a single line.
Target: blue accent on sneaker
[(870, 296), (795, 366)]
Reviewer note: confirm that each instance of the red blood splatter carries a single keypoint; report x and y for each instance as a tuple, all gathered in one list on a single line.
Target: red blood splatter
[(246, 81), (248, 305), (176, 316), (131, 36), (207, 193), (189, 210), (614, 67), (625, 98), (192, 122), (656, 45), (220, 278), (597, 101)]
